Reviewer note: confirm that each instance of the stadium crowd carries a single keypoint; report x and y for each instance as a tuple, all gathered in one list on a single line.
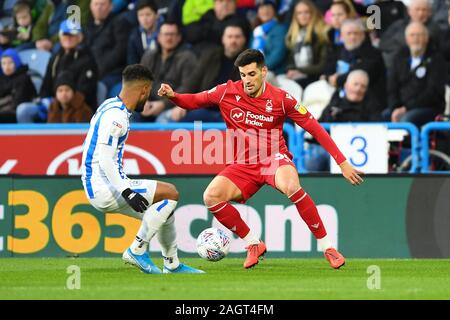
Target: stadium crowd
[(352, 65)]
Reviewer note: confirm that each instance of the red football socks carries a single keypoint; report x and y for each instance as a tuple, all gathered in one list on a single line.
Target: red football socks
[(308, 211), (230, 218)]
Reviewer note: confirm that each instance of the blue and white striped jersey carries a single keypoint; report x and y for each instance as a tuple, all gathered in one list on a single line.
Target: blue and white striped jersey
[(109, 126)]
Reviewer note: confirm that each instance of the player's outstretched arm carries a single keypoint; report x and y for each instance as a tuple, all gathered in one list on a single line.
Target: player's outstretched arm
[(192, 101), (351, 174), (166, 91), (187, 101)]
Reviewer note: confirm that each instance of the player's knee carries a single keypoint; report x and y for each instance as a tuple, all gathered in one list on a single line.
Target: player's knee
[(291, 188), (172, 192), (212, 196)]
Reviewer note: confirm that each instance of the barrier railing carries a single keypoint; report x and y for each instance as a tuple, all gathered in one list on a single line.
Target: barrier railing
[(419, 151), (425, 145), (412, 129)]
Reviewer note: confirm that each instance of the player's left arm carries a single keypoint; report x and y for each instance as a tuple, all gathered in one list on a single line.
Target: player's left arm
[(110, 131), (300, 115)]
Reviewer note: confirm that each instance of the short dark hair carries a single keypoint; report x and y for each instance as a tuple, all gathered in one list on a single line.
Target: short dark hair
[(171, 22), (141, 4), (249, 56), (137, 72), (235, 25)]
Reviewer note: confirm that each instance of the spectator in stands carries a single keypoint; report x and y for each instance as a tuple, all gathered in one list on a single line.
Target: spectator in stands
[(215, 67), (173, 63), (208, 31), (38, 7), (356, 53), (353, 103), (15, 85), (356, 10), (339, 12), (68, 105), (71, 57), (440, 17), (185, 12), (445, 42), (307, 43), (19, 35), (390, 12), (45, 32), (143, 37), (268, 36), (393, 39), (416, 83), (107, 38)]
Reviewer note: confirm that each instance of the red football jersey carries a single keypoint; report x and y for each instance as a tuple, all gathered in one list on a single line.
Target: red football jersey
[(258, 120)]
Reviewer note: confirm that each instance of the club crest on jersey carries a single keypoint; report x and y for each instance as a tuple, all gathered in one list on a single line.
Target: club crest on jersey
[(237, 115), (301, 109), (269, 106)]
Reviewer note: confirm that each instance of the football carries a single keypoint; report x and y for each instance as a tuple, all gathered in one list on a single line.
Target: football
[(213, 244)]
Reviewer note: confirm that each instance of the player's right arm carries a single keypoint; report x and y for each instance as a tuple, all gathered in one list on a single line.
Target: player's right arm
[(191, 101)]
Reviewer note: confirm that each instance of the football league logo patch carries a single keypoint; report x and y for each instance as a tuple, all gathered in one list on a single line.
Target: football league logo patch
[(301, 109), (117, 124)]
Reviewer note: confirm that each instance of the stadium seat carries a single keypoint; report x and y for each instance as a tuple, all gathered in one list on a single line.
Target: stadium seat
[(316, 96), (36, 60), (7, 8), (5, 22), (37, 81), (102, 91), (290, 86)]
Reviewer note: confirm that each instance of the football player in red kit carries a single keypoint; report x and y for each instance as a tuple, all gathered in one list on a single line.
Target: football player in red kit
[(253, 107)]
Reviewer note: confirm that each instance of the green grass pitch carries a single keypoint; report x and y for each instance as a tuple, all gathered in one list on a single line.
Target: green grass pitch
[(109, 278)]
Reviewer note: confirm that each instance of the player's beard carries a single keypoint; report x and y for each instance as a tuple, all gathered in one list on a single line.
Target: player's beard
[(251, 91), (140, 105)]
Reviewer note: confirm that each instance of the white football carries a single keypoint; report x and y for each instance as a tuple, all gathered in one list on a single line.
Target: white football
[(213, 244)]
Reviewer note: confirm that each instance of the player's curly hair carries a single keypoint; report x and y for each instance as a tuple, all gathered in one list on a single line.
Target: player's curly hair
[(249, 56), (137, 72)]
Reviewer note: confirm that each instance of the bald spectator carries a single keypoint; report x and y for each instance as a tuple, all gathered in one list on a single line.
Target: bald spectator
[(393, 39), (353, 103), (416, 84), (356, 53), (208, 31)]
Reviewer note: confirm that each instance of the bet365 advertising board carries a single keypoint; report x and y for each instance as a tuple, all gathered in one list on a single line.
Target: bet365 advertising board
[(390, 217)]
